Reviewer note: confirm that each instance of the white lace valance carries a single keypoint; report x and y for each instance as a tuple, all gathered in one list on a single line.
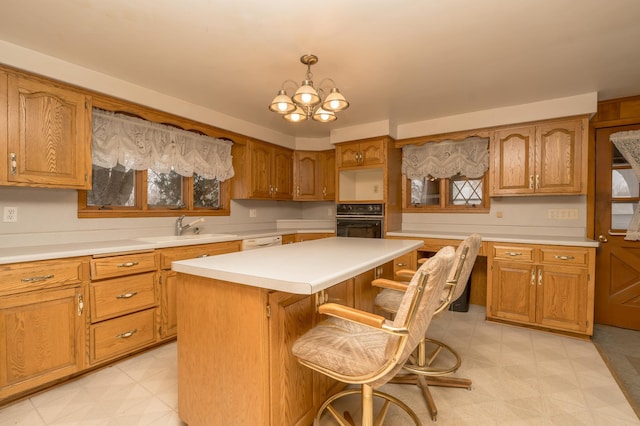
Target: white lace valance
[(469, 157), (140, 145), (628, 143)]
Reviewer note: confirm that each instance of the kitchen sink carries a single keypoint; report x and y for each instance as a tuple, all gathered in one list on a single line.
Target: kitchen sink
[(186, 237)]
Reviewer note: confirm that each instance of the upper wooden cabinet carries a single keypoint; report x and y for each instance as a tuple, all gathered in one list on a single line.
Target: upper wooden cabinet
[(545, 158), (263, 171), (45, 133), (314, 175), (362, 153)]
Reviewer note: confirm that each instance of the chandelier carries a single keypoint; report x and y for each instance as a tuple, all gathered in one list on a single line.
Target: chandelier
[(307, 102)]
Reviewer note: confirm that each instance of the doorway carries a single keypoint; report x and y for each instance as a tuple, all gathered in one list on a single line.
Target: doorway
[(617, 294)]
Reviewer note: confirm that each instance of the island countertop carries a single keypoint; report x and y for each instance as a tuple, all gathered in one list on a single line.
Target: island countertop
[(303, 268)]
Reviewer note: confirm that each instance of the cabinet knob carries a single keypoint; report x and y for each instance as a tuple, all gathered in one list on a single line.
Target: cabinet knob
[(602, 239)]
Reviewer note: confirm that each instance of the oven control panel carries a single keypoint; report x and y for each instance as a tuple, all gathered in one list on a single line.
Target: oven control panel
[(359, 210)]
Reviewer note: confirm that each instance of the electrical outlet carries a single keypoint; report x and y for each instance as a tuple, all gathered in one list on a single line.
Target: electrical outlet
[(10, 214), (329, 211), (252, 213)]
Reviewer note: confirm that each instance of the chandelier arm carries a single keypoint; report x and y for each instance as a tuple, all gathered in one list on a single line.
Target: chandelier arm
[(296, 85), (324, 80)]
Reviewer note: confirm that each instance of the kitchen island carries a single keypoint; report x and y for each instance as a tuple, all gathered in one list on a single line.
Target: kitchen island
[(239, 314)]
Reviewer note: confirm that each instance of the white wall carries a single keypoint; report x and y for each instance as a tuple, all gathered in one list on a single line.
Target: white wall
[(49, 216), (520, 216)]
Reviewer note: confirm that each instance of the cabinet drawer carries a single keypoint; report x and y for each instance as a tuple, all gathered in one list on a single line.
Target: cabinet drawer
[(513, 253), (122, 335), (23, 277), (118, 296), (565, 256), (191, 252), (115, 266)]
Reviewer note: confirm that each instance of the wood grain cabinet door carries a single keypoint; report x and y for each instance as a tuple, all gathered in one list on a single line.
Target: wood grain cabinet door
[(513, 154), (49, 135), (513, 292), (559, 158), (43, 338), (305, 175), (292, 384), (562, 297), (328, 174)]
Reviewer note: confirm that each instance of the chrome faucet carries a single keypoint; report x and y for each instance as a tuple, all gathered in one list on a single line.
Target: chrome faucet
[(181, 228)]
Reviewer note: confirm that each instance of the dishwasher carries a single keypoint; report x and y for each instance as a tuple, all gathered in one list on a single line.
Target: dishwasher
[(257, 243)]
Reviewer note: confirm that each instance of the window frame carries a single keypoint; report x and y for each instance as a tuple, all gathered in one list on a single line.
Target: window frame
[(140, 208), (445, 204)]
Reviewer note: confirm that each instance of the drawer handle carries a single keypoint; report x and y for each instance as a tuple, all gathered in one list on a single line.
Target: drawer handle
[(203, 255), (127, 334), (36, 279), (126, 295), (513, 253), (401, 264), (564, 257), (127, 264)]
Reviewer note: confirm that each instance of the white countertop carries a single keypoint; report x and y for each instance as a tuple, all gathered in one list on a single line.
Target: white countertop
[(503, 238), (72, 249), (303, 268)]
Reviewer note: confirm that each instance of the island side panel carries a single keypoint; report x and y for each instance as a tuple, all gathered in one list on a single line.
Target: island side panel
[(223, 371)]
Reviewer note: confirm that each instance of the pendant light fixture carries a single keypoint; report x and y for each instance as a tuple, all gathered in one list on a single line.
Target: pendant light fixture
[(307, 102)]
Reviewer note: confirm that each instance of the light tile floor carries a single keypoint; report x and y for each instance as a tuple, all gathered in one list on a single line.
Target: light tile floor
[(520, 377)]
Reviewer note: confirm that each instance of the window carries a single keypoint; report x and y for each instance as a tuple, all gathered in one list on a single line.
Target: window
[(148, 169), (457, 193), (437, 173), (115, 193)]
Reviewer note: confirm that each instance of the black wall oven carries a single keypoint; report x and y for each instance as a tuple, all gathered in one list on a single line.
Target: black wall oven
[(359, 220)]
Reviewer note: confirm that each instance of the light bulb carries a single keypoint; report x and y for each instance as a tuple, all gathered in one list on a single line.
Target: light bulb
[(334, 104), (295, 117), (282, 106), (306, 98), (324, 117)]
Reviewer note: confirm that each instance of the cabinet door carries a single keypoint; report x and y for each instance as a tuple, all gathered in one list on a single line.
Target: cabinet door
[(260, 163), (513, 291), (365, 293), (292, 389), (49, 135), (559, 158), (512, 152), (372, 152), (328, 175), (348, 155), (306, 171), (168, 310), (562, 297), (282, 177), (43, 338)]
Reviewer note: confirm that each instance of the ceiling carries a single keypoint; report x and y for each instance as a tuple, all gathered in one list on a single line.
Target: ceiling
[(397, 60)]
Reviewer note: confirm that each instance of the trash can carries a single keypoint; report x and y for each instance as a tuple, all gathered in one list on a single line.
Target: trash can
[(461, 304)]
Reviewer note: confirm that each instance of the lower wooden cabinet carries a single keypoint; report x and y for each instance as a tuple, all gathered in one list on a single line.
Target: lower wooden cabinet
[(292, 315), (544, 286), (43, 314), (122, 335)]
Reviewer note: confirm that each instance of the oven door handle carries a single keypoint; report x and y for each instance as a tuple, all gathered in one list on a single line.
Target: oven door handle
[(360, 217)]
